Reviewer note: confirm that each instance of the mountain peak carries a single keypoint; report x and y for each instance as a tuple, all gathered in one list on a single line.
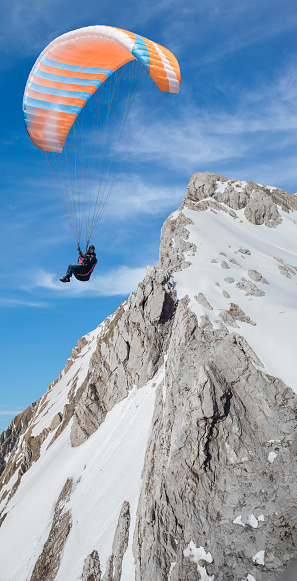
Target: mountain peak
[(166, 447)]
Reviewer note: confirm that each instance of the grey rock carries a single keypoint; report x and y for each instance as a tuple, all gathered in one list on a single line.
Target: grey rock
[(207, 462), (56, 421), (235, 262), (48, 563), (225, 265), (244, 251), (257, 276), (128, 354), (229, 279), (260, 203), (174, 244), (226, 295), (250, 288), (120, 543), (286, 270), (91, 570), (200, 298), (261, 209)]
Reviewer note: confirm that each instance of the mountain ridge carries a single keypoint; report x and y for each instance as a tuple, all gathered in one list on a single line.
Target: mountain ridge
[(166, 447)]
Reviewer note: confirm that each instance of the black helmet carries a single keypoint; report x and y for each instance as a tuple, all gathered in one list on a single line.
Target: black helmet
[(91, 246)]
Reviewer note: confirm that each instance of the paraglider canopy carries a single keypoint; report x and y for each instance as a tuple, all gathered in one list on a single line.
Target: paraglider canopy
[(87, 156), (74, 65)]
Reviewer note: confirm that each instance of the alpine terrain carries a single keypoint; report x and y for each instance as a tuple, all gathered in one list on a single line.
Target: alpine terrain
[(166, 450)]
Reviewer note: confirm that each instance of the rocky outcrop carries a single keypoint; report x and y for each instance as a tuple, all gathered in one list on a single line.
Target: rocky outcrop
[(10, 437), (113, 571), (91, 570), (260, 203), (48, 562), (119, 547), (174, 243), (129, 353), (218, 496), (215, 465)]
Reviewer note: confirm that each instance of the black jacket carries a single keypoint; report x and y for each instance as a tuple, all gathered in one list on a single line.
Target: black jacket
[(88, 260)]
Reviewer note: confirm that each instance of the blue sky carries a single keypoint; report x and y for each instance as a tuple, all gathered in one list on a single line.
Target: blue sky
[(235, 115)]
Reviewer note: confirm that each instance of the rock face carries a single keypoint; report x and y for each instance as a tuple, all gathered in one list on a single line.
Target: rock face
[(129, 353), (261, 203), (217, 497), (48, 562), (208, 463)]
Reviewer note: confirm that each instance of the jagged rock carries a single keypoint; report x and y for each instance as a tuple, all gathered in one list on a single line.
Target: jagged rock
[(286, 270), (129, 353), (10, 437), (120, 543), (226, 295), (219, 478), (261, 209), (200, 298), (209, 441), (257, 276), (233, 261), (235, 313), (91, 570), (56, 421), (250, 288), (244, 251), (48, 562), (121, 539), (174, 243), (201, 185), (259, 202), (80, 344)]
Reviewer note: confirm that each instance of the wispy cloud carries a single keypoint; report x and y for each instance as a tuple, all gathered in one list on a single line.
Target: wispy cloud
[(134, 195), (242, 37), (119, 282), (257, 119), (14, 303), (9, 412), (26, 28)]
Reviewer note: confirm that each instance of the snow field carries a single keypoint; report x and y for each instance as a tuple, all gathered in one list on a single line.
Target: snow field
[(274, 336), (106, 471)]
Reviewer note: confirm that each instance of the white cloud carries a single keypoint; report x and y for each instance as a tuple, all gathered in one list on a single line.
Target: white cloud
[(9, 302), (10, 412), (135, 195), (260, 120), (119, 282)]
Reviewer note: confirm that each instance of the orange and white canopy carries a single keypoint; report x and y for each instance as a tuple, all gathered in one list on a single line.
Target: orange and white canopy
[(74, 65)]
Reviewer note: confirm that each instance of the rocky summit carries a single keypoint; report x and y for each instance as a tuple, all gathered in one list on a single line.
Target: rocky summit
[(166, 450)]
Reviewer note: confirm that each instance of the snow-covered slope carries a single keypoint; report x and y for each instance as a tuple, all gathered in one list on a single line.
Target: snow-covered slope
[(251, 266), (166, 449)]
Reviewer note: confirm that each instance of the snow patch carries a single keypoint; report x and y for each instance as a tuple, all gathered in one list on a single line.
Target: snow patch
[(197, 554), (271, 457), (259, 558), (171, 569), (252, 521), (238, 521)]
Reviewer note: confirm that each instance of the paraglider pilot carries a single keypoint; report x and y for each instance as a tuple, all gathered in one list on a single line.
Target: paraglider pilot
[(83, 269)]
